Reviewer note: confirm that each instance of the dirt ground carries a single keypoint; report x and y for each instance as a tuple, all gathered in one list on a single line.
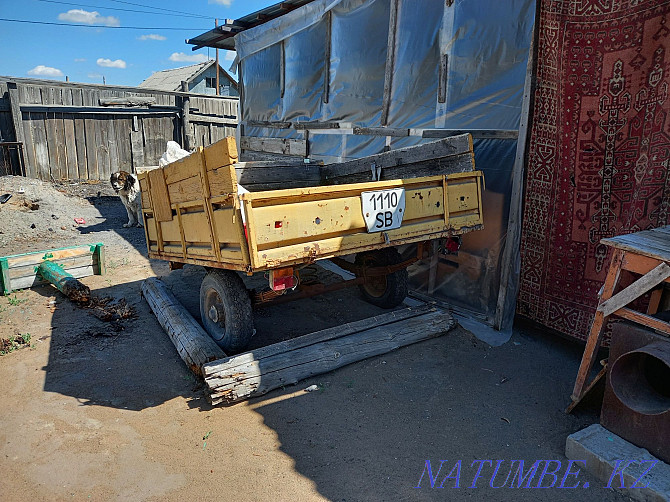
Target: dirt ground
[(93, 410)]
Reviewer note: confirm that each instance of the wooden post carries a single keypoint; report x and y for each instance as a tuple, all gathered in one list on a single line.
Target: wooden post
[(65, 283), (593, 341), (194, 345), (185, 121), (390, 62), (510, 254), (216, 23), (5, 288)]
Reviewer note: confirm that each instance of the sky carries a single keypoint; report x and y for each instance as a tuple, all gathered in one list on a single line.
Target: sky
[(118, 52)]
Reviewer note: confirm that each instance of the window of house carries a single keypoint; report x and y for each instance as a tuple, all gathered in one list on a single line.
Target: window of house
[(210, 82)]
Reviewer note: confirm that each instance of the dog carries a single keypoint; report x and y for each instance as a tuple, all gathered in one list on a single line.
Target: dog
[(128, 189)]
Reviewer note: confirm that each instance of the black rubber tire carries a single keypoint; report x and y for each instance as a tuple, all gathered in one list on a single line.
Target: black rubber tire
[(225, 310), (384, 291)]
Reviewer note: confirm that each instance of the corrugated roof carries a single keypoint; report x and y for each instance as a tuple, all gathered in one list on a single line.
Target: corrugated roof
[(170, 80), (221, 37)]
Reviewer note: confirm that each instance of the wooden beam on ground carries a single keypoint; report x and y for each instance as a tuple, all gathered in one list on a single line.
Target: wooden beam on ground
[(260, 371), (194, 345), (447, 156)]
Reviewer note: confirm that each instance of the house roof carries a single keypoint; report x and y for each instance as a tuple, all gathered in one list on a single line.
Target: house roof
[(221, 37), (170, 80)]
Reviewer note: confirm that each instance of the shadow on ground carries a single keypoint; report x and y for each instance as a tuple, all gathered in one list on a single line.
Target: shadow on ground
[(132, 364), (368, 433)]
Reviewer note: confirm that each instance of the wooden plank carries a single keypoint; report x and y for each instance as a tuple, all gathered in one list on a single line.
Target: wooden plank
[(635, 290), (5, 285), (595, 334), (91, 149), (510, 261), (305, 175), (128, 101), (274, 145), (390, 61), (187, 133), (193, 344), (651, 322), (261, 376), (222, 153), (17, 120), (476, 133), (651, 243), (40, 145), (196, 118), (160, 198), (83, 260), (80, 138), (96, 110), (29, 282), (381, 131), (70, 146), (137, 149), (327, 54), (449, 147), (226, 367), (36, 257)]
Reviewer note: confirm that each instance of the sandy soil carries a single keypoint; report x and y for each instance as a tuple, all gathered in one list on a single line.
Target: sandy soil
[(98, 411)]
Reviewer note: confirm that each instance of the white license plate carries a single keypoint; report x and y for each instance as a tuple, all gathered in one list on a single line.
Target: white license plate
[(383, 209)]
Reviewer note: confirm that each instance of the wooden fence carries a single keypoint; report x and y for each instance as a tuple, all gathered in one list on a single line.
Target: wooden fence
[(86, 132)]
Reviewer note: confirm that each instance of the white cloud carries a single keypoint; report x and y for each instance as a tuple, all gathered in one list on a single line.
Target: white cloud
[(188, 58), (79, 60), (230, 56), (86, 17), (108, 63), (94, 76), (152, 36), (45, 71), (225, 3)]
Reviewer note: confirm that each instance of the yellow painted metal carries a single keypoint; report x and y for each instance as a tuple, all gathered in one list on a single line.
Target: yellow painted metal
[(293, 226)]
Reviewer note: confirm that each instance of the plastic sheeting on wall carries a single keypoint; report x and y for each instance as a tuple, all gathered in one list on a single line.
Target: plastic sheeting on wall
[(482, 44)]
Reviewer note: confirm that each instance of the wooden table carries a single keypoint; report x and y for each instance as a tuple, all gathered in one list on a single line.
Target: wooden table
[(646, 253)]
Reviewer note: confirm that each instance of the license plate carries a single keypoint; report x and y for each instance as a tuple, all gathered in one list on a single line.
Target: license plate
[(383, 209)]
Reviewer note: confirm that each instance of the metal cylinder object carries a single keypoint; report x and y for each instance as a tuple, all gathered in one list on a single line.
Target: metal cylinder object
[(641, 378)]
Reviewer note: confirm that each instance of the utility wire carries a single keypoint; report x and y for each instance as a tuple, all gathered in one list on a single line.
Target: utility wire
[(125, 10), (100, 25), (156, 8)]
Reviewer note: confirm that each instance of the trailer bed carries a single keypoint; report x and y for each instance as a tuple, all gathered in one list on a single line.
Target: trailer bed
[(193, 214)]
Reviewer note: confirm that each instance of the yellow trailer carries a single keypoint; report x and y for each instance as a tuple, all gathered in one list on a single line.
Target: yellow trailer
[(194, 213)]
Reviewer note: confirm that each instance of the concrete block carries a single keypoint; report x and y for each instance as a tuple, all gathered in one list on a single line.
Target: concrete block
[(619, 464)]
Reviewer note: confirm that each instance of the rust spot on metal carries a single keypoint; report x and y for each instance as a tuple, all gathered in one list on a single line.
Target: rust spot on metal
[(346, 208)]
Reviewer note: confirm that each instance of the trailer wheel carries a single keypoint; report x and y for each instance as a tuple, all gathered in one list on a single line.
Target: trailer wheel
[(225, 310), (383, 291)]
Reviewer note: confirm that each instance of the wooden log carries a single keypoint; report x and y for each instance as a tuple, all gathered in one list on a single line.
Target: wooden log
[(447, 156), (285, 363), (64, 282), (193, 344)]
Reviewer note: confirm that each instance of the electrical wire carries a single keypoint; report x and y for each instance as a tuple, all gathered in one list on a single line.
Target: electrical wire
[(99, 25), (124, 10)]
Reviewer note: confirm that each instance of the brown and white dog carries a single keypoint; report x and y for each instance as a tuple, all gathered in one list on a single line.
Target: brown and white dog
[(128, 189)]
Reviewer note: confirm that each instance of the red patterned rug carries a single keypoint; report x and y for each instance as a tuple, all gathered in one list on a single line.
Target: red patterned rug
[(599, 150)]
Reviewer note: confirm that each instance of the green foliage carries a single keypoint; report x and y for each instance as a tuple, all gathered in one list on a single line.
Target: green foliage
[(15, 302)]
